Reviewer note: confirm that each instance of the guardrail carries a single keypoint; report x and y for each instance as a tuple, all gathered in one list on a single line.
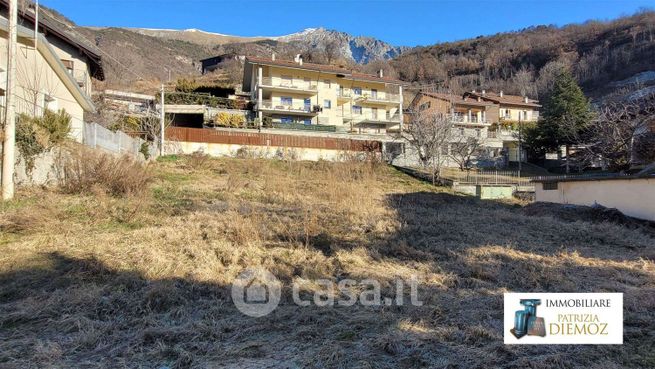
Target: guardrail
[(305, 127), (286, 83)]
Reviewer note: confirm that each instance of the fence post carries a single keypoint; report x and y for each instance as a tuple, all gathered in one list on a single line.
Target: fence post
[(95, 135)]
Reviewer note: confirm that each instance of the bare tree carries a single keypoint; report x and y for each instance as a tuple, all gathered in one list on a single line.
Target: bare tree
[(464, 149), (618, 133), (429, 134)]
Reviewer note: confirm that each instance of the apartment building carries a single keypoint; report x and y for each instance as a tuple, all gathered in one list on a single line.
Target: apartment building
[(511, 108), (487, 119), (299, 95)]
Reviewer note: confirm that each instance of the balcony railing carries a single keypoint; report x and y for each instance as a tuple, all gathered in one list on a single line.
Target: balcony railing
[(293, 84), (377, 118), (270, 105), (466, 119), (344, 93), (380, 97)]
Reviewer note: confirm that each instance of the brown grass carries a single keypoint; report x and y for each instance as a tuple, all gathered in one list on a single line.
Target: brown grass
[(95, 280), (85, 170)]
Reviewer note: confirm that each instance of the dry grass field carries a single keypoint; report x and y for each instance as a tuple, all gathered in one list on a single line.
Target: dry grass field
[(100, 279)]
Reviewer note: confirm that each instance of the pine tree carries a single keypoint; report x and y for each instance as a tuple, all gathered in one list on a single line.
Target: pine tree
[(566, 114)]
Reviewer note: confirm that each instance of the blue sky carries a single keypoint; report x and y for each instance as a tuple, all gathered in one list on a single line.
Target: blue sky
[(409, 23)]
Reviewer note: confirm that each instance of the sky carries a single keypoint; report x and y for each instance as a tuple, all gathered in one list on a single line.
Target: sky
[(401, 23)]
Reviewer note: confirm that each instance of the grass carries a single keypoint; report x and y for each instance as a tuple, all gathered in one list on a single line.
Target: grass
[(143, 280)]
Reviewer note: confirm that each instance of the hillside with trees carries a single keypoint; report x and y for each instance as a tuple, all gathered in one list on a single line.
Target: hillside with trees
[(527, 61)]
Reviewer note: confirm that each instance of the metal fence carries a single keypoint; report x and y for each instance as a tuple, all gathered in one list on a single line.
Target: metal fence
[(491, 177), (118, 142)]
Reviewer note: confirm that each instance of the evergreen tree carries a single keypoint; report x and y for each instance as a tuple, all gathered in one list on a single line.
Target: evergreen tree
[(566, 115)]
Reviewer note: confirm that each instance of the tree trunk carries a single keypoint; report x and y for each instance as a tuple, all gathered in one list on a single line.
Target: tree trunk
[(568, 165)]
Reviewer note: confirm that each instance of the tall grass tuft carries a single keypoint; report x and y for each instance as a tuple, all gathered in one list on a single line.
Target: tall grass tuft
[(85, 170)]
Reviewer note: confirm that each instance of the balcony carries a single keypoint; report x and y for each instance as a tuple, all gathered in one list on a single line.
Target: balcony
[(303, 110), (289, 85), (344, 95), (472, 120), (380, 98), (369, 118)]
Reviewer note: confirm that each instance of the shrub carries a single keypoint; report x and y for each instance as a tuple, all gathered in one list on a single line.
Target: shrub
[(199, 160), (84, 170), (36, 135), (229, 120)]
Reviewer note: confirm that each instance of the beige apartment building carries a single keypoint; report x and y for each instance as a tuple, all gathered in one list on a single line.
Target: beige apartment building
[(299, 95)]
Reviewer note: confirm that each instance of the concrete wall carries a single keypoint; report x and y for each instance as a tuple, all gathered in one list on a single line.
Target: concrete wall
[(633, 197), (269, 152)]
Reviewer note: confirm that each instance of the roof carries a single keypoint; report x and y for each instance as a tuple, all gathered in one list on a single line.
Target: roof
[(456, 99), (26, 35), (341, 70), (505, 99), (50, 25)]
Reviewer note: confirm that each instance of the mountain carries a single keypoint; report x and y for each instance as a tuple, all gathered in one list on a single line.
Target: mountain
[(525, 62), (359, 49)]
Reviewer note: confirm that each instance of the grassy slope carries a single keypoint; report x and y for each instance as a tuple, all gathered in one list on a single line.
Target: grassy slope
[(96, 281)]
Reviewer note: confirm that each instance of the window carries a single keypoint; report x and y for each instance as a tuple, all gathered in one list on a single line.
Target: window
[(327, 104), (461, 131), (374, 93), (525, 115), (357, 91), (357, 109), (307, 121), (285, 100), (549, 186), (68, 64), (374, 113), (286, 120), (327, 83), (478, 133), (424, 106)]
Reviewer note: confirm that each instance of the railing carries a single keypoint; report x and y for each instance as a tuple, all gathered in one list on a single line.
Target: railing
[(286, 83), (466, 119), (382, 118), (502, 133), (268, 104), (381, 96), (305, 127), (492, 177), (344, 93)]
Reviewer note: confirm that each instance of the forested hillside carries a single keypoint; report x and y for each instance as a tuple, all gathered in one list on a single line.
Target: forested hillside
[(525, 61)]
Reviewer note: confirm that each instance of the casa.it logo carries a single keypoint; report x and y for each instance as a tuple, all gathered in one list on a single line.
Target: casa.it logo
[(256, 292), (526, 321)]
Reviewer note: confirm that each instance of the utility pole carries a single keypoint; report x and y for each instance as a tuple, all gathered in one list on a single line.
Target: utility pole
[(520, 145), (162, 123), (9, 144)]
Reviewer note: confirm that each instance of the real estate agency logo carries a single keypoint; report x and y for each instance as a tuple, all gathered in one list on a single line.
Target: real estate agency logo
[(564, 318)]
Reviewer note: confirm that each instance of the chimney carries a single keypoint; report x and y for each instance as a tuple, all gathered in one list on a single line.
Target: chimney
[(273, 57), (525, 99), (501, 93), (381, 73), (479, 99), (484, 92)]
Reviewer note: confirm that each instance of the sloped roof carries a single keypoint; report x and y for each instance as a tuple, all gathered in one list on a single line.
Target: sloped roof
[(50, 25), (322, 68), (456, 99), (505, 99), (50, 56)]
